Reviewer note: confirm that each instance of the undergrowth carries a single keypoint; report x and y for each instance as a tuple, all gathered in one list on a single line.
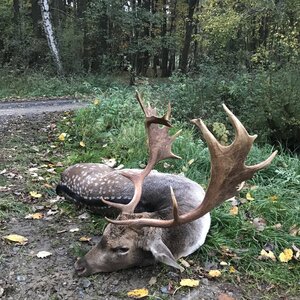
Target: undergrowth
[(113, 127)]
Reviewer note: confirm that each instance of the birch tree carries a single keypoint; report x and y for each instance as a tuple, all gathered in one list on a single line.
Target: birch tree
[(47, 24)]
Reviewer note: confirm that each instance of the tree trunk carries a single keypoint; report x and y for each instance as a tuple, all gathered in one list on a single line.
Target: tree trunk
[(164, 50), (188, 36), (47, 24)]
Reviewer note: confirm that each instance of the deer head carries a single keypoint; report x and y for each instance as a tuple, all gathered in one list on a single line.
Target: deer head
[(137, 239)]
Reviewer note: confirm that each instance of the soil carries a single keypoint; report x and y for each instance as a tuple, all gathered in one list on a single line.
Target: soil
[(26, 133)]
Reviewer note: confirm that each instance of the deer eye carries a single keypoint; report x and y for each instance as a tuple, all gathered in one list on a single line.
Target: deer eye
[(120, 250)]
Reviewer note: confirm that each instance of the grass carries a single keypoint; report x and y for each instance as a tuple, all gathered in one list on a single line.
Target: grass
[(110, 132)]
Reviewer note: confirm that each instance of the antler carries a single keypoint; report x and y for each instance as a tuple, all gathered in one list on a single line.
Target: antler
[(159, 143), (228, 170)]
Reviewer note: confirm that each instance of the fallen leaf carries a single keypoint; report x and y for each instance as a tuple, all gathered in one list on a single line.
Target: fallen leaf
[(232, 269), (184, 263), (82, 144), (214, 273), (16, 238), (62, 136), (190, 161), (138, 293), (43, 254), (273, 198), (223, 263), (152, 280), (84, 239), (259, 224), (234, 211), (267, 254), (96, 101), (35, 194), (286, 255), (74, 229), (35, 216), (294, 230), (189, 282), (249, 196)]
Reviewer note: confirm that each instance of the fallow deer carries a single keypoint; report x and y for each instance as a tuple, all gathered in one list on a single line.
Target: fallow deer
[(163, 216)]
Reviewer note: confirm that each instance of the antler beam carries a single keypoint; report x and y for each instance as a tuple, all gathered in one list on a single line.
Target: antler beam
[(228, 170)]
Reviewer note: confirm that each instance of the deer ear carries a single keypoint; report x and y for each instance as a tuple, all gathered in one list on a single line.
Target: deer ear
[(163, 254)]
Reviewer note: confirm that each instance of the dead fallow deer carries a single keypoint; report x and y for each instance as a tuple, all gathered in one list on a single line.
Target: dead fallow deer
[(163, 216)]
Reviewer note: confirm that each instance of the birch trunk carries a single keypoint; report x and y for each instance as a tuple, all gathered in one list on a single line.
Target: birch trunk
[(50, 34)]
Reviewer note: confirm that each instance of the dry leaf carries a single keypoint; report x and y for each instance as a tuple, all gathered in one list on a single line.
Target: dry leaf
[(84, 239), (223, 263), (294, 230), (82, 144), (16, 238), (190, 161), (138, 293), (62, 136), (214, 273), (35, 216), (74, 229), (259, 224), (264, 254), (286, 255), (189, 282), (232, 269), (35, 194), (234, 211), (43, 254), (184, 263), (96, 101), (273, 198), (152, 280), (249, 196)]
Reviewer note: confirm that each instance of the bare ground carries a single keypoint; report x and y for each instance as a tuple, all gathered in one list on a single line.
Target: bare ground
[(25, 144)]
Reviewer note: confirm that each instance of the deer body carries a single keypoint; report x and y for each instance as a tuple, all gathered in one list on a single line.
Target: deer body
[(163, 216), (155, 200)]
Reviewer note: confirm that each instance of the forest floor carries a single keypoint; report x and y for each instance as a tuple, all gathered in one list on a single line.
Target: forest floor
[(28, 162)]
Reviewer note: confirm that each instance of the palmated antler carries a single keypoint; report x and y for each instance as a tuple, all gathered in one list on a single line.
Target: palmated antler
[(159, 143), (228, 170)]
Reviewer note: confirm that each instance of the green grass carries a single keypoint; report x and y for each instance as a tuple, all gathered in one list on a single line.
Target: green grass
[(42, 84), (110, 131)]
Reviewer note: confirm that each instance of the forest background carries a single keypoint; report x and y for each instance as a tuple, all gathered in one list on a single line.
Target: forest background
[(241, 52)]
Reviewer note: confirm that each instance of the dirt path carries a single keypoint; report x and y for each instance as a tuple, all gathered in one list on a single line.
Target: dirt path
[(26, 162), (19, 108)]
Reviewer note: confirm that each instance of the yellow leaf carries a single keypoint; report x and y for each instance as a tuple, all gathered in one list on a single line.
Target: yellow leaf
[(234, 210), (36, 216), (190, 161), (286, 255), (189, 282), (267, 254), (35, 194), (85, 239), (62, 136), (214, 273), (82, 144), (249, 196), (43, 254), (16, 238), (273, 198), (96, 101), (138, 293), (232, 269)]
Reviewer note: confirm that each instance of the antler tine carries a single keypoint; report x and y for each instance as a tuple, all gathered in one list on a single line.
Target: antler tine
[(159, 143), (228, 170)]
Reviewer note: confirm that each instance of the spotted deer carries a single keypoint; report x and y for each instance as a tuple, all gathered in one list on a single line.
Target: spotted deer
[(163, 216)]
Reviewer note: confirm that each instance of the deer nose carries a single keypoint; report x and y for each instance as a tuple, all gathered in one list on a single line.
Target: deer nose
[(79, 267)]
